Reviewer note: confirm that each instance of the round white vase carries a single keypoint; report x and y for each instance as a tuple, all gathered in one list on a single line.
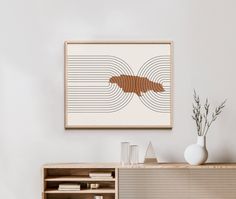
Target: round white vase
[(196, 154)]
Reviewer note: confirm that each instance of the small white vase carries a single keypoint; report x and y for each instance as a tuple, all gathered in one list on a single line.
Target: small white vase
[(196, 154)]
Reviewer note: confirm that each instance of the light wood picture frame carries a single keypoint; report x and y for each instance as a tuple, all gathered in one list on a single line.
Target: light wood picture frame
[(118, 84)]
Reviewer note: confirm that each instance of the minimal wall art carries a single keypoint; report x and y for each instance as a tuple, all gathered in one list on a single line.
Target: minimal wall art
[(118, 84)]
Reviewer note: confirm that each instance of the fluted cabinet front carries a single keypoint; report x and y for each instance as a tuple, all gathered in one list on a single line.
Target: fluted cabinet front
[(177, 183)]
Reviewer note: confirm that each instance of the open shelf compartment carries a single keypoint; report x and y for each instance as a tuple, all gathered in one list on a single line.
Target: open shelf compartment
[(53, 177)]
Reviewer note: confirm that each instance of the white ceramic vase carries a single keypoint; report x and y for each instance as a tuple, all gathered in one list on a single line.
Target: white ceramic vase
[(197, 154)]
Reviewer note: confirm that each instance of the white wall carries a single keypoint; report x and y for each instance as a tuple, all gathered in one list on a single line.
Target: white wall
[(31, 80)]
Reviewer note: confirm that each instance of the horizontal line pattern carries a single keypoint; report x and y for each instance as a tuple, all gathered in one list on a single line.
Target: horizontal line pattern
[(88, 84), (177, 183)]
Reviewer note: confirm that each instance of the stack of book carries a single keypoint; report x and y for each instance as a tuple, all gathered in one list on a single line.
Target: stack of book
[(100, 175), (69, 187)]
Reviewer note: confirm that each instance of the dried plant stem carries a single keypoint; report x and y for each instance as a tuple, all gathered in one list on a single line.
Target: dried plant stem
[(202, 120)]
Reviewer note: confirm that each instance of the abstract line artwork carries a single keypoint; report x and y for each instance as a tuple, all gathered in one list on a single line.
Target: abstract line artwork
[(118, 85)]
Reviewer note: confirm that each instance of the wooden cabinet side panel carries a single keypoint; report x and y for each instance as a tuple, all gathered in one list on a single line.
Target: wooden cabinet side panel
[(43, 186)]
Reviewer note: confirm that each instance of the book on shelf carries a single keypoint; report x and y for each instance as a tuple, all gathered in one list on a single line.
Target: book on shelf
[(69, 187), (61, 189), (100, 175), (102, 178)]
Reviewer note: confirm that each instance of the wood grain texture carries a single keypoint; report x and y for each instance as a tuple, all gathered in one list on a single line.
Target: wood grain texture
[(95, 191), (159, 165), (80, 165), (77, 179), (54, 174), (75, 196), (159, 181), (116, 183)]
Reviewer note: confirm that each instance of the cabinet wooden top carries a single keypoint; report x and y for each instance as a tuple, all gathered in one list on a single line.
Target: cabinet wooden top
[(142, 166)]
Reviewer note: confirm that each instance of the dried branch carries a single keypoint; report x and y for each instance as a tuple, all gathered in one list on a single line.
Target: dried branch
[(202, 119)]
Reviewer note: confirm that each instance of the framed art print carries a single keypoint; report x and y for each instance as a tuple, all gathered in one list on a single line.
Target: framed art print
[(118, 84)]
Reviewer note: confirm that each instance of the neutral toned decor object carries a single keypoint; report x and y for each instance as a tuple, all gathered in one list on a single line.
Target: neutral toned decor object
[(125, 147), (197, 154), (134, 155), (201, 117), (100, 175), (94, 186), (163, 180), (69, 187), (118, 84), (98, 197), (150, 156)]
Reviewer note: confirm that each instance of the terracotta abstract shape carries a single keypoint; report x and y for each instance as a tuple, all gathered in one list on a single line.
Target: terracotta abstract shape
[(136, 84)]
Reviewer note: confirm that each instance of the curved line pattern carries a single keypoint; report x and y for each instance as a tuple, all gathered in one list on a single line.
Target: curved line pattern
[(157, 69), (89, 90)]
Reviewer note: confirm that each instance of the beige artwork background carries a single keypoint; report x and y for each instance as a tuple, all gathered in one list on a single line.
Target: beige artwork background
[(135, 114)]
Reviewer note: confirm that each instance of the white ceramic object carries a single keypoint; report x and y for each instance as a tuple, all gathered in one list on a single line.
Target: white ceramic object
[(134, 159), (125, 153), (197, 154)]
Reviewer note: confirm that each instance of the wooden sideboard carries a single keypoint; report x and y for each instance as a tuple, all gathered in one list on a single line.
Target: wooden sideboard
[(161, 181)]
